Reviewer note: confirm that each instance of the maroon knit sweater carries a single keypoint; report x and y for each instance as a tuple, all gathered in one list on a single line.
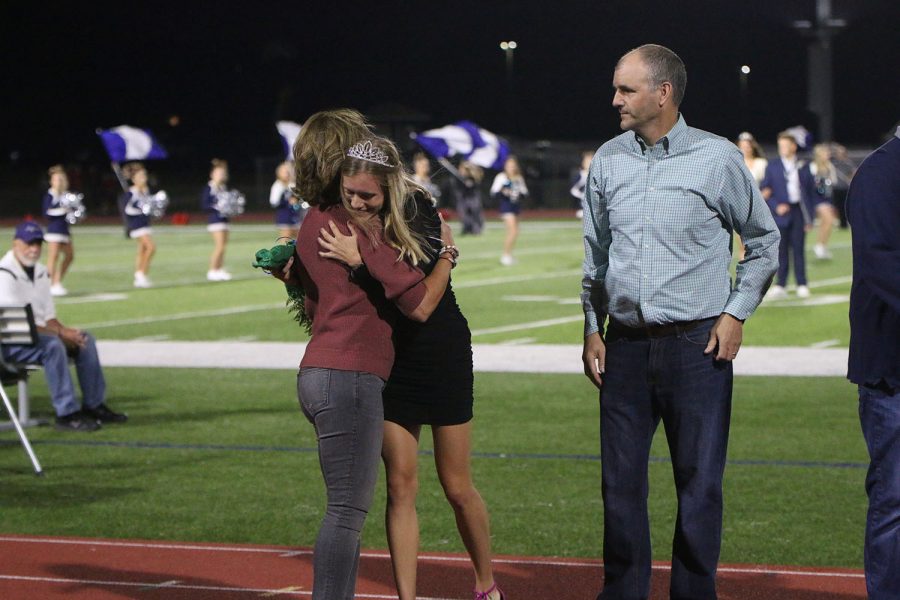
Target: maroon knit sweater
[(351, 330)]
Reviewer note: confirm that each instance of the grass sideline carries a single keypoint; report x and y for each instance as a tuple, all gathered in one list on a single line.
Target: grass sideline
[(219, 455), (226, 456)]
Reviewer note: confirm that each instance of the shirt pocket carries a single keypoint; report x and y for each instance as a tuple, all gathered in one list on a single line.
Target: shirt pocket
[(692, 220)]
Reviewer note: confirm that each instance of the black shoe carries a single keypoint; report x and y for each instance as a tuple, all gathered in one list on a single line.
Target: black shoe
[(103, 414), (77, 421)]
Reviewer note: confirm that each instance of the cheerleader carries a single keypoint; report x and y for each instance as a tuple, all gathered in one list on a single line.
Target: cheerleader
[(137, 223), (289, 212), (825, 174), (579, 184), (58, 238), (422, 176), (509, 190), (217, 222)]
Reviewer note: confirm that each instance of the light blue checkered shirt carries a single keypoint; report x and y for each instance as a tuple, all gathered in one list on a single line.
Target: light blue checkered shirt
[(657, 231)]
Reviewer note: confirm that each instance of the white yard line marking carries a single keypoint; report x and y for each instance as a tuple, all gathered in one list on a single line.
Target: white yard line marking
[(518, 342), (181, 316), (531, 325), (152, 338), (822, 300), (529, 251), (257, 307), (515, 279), (825, 344), (92, 298), (829, 282), (526, 298)]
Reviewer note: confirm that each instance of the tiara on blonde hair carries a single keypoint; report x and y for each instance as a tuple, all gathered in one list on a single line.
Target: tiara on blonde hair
[(366, 151)]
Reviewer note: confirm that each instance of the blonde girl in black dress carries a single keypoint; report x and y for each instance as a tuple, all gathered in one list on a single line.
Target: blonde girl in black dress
[(431, 384)]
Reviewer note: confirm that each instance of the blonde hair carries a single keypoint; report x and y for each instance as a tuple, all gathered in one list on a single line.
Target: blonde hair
[(821, 159), (319, 151), (513, 161), (56, 170), (217, 163), (472, 170), (399, 190)]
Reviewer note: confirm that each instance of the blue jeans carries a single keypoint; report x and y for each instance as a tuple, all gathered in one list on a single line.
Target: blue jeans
[(667, 378), (345, 409), (51, 353), (879, 415)]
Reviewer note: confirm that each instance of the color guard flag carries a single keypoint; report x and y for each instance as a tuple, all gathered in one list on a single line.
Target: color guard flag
[(289, 132), (130, 143), (802, 135), (465, 139)]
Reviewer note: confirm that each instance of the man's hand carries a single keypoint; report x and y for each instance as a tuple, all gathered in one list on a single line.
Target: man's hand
[(72, 338), (726, 335), (782, 209), (594, 358)]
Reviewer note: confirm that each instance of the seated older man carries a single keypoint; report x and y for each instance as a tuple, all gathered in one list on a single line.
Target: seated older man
[(23, 280)]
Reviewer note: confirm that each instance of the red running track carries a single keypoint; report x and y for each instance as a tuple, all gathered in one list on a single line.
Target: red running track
[(42, 568)]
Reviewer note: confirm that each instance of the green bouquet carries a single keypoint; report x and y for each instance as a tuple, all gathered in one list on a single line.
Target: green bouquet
[(275, 259)]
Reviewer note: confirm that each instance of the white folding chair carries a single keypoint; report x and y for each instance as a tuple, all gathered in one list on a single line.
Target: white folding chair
[(17, 327)]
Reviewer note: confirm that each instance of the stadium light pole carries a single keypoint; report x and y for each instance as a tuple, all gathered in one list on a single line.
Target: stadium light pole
[(745, 73), (509, 48), (819, 73)]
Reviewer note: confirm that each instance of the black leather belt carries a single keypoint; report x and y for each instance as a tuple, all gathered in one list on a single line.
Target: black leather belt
[(882, 386), (650, 331)]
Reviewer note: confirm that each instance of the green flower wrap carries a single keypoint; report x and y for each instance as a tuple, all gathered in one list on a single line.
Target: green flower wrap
[(274, 259)]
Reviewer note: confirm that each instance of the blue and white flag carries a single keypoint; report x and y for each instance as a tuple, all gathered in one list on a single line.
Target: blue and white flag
[(130, 143), (288, 130), (465, 139), (802, 135)]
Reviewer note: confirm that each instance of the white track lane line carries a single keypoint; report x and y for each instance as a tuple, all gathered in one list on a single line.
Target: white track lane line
[(425, 557)]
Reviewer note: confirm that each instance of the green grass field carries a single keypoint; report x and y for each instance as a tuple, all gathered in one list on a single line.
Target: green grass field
[(225, 455)]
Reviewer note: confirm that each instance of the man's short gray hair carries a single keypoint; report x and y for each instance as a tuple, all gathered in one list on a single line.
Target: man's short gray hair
[(663, 65)]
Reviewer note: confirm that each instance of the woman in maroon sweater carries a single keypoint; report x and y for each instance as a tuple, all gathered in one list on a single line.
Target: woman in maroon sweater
[(349, 356)]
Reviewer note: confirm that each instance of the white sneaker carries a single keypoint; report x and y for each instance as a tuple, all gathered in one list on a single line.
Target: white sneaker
[(141, 280), (802, 291), (776, 292), (57, 289), (218, 275), (822, 252), (507, 261)]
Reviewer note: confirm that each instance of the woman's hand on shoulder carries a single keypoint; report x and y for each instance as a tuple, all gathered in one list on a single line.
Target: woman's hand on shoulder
[(340, 247)]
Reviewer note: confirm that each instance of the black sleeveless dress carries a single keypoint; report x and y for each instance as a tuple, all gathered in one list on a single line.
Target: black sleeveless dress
[(431, 382)]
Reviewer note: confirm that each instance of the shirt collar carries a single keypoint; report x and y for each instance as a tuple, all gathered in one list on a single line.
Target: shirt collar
[(669, 141)]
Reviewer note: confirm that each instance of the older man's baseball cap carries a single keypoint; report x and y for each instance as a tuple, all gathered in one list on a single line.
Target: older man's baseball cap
[(29, 232)]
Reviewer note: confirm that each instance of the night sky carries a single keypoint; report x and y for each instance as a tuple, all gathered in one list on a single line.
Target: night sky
[(229, 74)]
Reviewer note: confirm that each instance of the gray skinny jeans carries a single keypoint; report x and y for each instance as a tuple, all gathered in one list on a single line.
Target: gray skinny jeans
[(345, 409)]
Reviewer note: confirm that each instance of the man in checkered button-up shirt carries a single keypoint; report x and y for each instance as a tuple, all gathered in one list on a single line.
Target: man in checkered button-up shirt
[(661, 204)]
